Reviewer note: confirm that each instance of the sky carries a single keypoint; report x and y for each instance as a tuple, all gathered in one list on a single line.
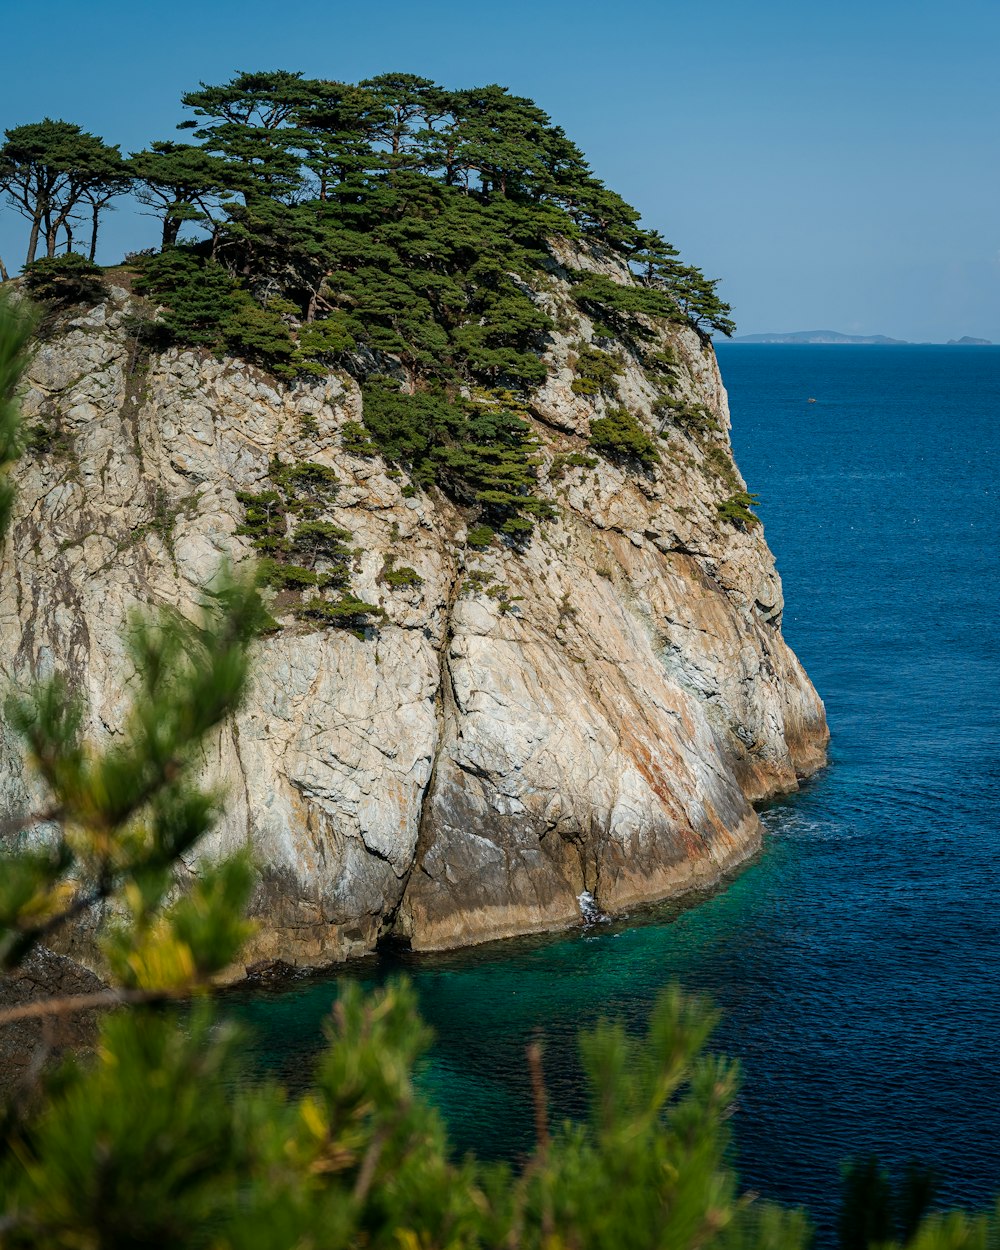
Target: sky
[(836, 165)]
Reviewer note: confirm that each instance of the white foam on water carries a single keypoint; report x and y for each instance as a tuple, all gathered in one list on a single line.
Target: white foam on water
[(591, 913)]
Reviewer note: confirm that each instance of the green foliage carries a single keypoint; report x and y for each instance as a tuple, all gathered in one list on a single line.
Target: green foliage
[(64, 280), (301, 548), (52, 172), (695, 419), (569, 460), (205, 306), (661, 361), (480, 536), (17, 324), (481, 452), (195, 291), (129, 811), (697, 299), (393, 218), (736, 510), (120, 817), (619, 436), (693, 296), (596, 371), (348, 612), (161, 1140), (258, 335), (622, 306), (719, 460), (874, 1211), (354, 439), (330, 339), (183, 183), (47, 440), (409, 428), (399, 578)]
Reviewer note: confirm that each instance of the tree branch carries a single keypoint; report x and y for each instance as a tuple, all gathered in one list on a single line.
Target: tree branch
[(73, 1003)]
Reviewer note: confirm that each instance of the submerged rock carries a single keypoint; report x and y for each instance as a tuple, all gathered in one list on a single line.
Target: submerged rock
[(594, 715)]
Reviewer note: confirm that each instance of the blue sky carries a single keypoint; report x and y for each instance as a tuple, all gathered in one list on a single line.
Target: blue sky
[(837, 165)]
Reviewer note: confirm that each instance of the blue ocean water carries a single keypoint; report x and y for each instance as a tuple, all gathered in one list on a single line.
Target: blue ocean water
[(857, 961)]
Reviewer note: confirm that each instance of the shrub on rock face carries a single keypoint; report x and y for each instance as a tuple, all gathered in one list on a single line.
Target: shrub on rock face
[(348, 612), (481, 451), (193, 291), (301, 549), (205, 306), (399, 577), (596, 372), (62, 281), (736, 510), (258, 335), (619, 436), (480, 536)]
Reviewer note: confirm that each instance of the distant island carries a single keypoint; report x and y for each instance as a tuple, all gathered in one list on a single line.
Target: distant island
[(834, 336)]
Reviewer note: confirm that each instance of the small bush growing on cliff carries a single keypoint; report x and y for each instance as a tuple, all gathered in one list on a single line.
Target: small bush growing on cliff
[(480, 536), (300, 547), (596, 372), (564, 461), (481, 451), (619, 436), (399, 577), (695, 419), (62, 281), (206, 306), (736, 510)]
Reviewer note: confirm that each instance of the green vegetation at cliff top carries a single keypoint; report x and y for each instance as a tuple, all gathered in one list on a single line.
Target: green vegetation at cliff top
[(392, 229)]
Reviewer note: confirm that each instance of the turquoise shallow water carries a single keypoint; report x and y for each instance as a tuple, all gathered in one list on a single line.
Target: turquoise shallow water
[(857, 961)]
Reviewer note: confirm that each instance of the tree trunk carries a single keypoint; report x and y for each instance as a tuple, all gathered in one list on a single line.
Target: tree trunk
[(93, 231), (47, 231), (171, 229), (4, 275), (36, 222)]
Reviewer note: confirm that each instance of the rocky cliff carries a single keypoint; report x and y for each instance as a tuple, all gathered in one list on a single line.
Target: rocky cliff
[(597, 711)]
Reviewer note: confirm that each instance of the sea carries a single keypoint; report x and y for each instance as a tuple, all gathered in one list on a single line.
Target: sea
[(856, 961)]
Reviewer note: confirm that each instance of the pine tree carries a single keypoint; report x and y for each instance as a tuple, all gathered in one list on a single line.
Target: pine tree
[(48, 169)]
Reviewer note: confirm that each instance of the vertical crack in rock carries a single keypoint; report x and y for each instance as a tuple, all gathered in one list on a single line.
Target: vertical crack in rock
[(396, 923)]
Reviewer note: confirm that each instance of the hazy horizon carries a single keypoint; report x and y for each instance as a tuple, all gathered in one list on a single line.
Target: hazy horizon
[(834, 167)]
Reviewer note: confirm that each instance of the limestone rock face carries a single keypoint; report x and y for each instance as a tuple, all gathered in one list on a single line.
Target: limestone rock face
[(597, 711)]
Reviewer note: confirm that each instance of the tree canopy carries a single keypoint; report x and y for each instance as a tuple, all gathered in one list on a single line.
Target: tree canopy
[(49, 170), (394, 228), (318, 189)]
